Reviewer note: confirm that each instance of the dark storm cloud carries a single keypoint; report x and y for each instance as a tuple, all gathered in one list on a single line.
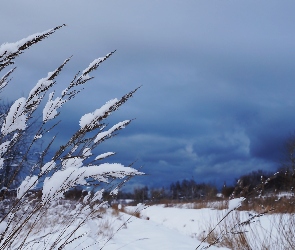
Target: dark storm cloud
[(218, 79)]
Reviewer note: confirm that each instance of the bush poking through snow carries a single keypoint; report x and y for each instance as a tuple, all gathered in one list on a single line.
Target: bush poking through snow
[(22, 226)]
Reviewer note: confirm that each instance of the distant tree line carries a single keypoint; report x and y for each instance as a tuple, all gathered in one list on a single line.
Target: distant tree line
[(255, 183), (182, 191), (261, 182)]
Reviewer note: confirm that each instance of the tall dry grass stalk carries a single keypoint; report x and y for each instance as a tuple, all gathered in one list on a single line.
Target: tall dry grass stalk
[(27, 222), (250, 230)]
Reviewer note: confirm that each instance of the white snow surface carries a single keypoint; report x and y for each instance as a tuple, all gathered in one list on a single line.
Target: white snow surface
[(125, 232), (159, 227)]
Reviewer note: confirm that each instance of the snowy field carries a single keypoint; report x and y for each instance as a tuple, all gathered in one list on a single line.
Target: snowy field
[(155, 227), (183, 227), (161, 228)]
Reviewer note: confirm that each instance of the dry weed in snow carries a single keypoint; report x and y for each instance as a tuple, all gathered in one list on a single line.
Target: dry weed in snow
[(42, 222)]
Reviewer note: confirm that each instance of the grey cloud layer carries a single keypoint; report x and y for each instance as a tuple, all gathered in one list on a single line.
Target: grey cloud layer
[(218, 79)]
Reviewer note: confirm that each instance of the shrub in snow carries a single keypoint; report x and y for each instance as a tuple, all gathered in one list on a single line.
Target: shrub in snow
[(72, 165)]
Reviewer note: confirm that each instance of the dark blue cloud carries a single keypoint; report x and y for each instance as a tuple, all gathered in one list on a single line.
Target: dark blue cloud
[(218, 81)]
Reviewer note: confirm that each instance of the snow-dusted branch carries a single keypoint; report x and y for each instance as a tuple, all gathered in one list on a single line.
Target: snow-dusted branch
[(84, 77), (4, 79), (9, 51)]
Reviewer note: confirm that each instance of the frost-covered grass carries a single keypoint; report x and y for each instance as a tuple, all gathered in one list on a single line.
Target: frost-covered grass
[(279, 203), (108, 229), (42, 223), (57, 222)]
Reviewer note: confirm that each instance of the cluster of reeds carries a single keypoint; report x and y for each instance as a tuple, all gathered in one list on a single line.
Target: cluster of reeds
[(27, 221), (263, 222)]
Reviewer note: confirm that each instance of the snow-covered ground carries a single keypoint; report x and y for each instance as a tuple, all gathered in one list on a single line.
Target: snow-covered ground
[(163, 227), (148, 234), (159, 227)]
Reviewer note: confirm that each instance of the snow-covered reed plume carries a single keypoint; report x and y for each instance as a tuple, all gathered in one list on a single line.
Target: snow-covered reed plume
[(72, 165)]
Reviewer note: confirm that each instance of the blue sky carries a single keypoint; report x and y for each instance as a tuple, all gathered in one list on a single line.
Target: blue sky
[(218, 79)]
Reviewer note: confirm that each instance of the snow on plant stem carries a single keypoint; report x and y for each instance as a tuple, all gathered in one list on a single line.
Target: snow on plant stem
[(50, 109), (28, 183), (104, 155), (16, 117), (63, 180), (235, 203), (90, 119), (10, 48), (71, 165), (109, 132)]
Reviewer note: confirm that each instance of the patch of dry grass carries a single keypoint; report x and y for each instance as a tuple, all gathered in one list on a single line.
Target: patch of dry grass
[(250, 230), (276, 204)]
